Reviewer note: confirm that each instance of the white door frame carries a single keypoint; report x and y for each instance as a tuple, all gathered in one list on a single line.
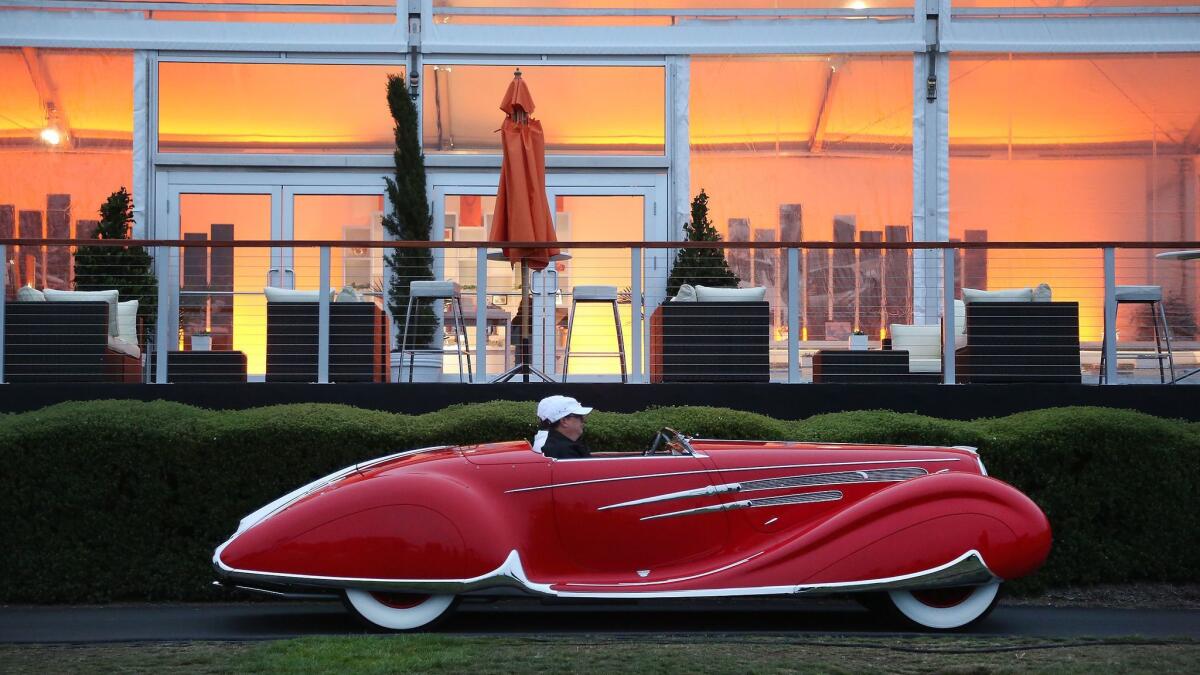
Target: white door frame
[(650, 185)]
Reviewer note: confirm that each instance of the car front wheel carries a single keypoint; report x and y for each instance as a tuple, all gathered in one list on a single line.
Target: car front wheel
[(946, 608), (399, 611)]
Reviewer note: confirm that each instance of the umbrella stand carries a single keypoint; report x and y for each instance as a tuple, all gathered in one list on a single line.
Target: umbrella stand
[(525, 349)]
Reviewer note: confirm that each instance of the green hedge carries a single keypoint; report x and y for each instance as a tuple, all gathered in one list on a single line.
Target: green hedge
[(118, 500)]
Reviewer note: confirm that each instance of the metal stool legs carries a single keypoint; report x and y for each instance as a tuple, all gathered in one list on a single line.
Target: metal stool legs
[(460, 330), (616, 324), (1158, 317)]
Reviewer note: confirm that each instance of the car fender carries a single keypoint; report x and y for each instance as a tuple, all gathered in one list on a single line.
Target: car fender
[(924, 523), (393, 526)]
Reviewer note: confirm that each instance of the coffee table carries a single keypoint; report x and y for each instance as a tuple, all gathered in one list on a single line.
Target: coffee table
[(202, 367), (877, 366)]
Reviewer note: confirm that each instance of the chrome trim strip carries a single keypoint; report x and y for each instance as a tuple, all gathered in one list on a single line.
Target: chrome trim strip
[(804, 480), (967, 569), (509, 573), (671, 581), (749, 468), (781, 500)]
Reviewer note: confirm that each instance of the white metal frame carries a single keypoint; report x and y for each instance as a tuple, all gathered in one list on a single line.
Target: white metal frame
[(651, 186)]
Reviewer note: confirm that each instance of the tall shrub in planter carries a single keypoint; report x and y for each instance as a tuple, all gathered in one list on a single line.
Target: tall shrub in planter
[(409, 220), (703, 266), (128, 269)]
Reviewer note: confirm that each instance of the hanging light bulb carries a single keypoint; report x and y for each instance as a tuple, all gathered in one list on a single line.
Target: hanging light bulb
[(51, 135)]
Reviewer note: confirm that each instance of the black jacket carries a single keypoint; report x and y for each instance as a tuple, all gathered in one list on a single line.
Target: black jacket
[(561, 447)]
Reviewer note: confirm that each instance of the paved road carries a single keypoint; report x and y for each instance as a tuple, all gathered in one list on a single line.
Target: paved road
[(258, 621)]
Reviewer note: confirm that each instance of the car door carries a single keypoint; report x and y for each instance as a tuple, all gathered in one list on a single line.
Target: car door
[(605, 526)]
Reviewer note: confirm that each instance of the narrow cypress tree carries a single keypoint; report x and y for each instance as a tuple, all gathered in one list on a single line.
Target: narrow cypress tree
[(409, 220), (703, 266), (128, 269)]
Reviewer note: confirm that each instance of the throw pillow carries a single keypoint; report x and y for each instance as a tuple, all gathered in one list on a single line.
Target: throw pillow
[(687, 293), (127, 321), (1041, 293), (348, 294), (28, 293), (90, 296), (710, 294), (1007, 295)]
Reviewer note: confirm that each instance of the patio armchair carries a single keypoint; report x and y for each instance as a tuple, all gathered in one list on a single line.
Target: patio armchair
[(358, 339), (724, 335), (69, 341)]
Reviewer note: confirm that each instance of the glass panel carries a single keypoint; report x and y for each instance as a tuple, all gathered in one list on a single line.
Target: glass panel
[(66, 124), (1077, 148), (279, 108), (583, 109), (221, 289), (340, 217), (672, 11), (597, 218), (469, 218), (810, 149)]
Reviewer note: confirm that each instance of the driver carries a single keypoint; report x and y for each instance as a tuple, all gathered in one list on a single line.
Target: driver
[(560, 425)]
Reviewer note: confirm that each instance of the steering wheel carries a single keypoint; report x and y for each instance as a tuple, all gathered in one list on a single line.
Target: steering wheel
[(669, 440)]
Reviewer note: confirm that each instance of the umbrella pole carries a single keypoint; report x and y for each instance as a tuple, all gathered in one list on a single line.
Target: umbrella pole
[(524, 366)]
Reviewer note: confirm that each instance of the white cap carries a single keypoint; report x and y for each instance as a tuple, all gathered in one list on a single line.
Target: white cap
[(554, 408)]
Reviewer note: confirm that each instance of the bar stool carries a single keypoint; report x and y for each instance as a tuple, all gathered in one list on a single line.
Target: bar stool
[(1146, 295), (594, 294), (444, 291)]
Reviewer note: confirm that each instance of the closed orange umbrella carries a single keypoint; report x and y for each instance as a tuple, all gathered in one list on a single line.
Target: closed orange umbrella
[(522, 213)]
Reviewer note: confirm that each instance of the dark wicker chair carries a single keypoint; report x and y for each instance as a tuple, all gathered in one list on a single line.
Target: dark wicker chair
[(49, 342), (358, 342)]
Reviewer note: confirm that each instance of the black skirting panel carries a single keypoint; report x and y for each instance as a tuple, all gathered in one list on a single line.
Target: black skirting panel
[(782, 401)]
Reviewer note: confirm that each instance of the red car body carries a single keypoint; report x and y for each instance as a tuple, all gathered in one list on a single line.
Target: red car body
[(715, 518)]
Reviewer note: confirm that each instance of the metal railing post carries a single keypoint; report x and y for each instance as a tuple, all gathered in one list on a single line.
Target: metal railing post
[(3, 300), (793, 310), (1110, 315), (481, 304), (162, 322), (635, 311), (948, 329), (323, 320)]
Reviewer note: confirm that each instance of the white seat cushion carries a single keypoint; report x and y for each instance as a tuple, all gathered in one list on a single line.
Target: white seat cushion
[(127, 321), (30, 294), (275, 294), (110, 297), (713, 294), (1006, 295), (1139, 293), (434, 289), (594, 293), (923, 344), (124, 346)]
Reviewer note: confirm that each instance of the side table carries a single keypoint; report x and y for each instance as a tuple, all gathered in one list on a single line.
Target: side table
[(842, 366), (194, 367)]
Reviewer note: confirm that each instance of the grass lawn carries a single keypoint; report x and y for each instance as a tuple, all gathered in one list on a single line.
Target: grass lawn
[(698, 653)]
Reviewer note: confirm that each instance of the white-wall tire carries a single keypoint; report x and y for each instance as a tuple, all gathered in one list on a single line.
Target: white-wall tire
[(422, 614), (975, 604)]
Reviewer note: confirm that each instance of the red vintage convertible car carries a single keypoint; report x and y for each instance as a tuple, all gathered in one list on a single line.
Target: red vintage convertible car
[(920, 531)]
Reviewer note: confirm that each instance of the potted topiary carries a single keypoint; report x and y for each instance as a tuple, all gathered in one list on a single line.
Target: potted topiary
[(410, 220), (700, 266), (128, 269)]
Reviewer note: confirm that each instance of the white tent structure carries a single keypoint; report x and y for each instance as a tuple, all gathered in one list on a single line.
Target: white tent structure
[(1079, 121)]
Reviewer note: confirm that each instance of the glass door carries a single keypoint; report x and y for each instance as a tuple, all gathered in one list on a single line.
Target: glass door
[(587, 207), (221, 288)]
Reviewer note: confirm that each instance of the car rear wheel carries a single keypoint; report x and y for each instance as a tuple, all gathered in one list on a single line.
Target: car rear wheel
[(399, 611), (946, 608)]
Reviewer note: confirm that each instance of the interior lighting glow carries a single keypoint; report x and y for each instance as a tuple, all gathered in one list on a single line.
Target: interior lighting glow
[(858, 4), (51, 136)]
